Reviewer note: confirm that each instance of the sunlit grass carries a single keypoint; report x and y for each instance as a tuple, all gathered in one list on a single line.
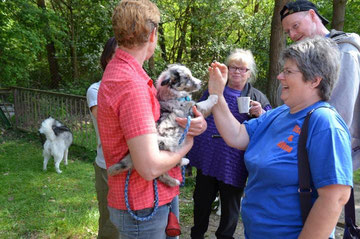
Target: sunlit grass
[(357, 176), (38, 204), (186, 204)]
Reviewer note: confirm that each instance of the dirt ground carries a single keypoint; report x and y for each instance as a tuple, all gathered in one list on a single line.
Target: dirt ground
[(239, 233)]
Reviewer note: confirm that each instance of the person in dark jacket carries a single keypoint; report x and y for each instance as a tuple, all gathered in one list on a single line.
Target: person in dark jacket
[(221, 168)]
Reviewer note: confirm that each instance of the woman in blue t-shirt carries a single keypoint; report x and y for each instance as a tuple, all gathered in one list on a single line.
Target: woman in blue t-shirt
[(271, 207)]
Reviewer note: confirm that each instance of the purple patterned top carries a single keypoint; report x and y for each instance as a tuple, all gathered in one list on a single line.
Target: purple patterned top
[(213, 156)]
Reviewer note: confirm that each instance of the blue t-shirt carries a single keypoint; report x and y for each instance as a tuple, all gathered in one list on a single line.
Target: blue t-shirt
[(271, 205)]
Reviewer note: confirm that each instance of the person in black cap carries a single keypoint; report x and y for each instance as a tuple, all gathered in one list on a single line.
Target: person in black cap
[(301, 19), (301, 6)]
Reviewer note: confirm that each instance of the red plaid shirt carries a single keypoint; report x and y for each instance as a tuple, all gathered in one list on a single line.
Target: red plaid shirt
[(127, 107)]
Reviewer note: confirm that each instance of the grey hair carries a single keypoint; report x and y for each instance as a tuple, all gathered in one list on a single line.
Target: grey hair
[(243, 56), (316, 57)]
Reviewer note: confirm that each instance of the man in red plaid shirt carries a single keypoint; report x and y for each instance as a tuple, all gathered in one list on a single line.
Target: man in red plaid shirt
[(127, 112)]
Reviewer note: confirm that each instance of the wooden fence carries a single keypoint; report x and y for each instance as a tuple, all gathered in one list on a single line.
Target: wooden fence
[(32, 106)]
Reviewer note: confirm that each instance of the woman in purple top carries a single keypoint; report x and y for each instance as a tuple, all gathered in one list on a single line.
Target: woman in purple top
[(221, 168)]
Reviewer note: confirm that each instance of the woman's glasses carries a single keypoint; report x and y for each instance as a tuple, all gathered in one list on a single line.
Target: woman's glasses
[(289, 71), (240, 69)]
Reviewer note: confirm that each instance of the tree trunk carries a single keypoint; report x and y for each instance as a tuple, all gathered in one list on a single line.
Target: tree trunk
[(198, 40), (51, 51), (257, 4), (151, 64), (53, 65), (338, 14), (183, 32), (277, 44), (73, 52), (162, 42), (182, 39), (193, 35), (182, 42)]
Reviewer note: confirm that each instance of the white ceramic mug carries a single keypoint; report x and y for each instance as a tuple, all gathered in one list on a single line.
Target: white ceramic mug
[(243, 104)]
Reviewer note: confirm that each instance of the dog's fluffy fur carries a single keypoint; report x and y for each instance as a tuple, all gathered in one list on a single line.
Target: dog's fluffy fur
[(174, 88), (58, 141)]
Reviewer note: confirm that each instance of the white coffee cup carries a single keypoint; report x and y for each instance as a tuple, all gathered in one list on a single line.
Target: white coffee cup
[(243, 104)]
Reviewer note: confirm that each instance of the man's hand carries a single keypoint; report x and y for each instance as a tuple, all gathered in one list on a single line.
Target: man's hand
[(198, 124)]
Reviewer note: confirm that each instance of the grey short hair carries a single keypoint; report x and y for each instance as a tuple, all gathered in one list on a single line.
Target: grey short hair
[(316, 57), (243, 56)]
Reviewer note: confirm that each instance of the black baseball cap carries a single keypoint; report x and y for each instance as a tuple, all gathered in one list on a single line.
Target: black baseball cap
[(300, 6)]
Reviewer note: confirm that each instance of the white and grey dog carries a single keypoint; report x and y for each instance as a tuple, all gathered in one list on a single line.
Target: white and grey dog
[(58, 141), (174, 88)]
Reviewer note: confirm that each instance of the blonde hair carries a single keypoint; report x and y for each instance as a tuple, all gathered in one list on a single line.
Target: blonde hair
[(242, 56), (133, 21)]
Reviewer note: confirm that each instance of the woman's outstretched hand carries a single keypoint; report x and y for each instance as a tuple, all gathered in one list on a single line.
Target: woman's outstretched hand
[(217, 78)]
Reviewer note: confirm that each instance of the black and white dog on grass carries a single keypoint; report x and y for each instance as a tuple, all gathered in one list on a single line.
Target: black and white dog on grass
[(174, 88), (58, 141)]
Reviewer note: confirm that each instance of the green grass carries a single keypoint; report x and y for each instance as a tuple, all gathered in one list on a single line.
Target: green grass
[(38, 204), (357, 176), (186, 204)]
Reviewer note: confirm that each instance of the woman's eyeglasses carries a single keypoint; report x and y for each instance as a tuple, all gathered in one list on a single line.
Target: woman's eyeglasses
[(240, 69), (289, 71)]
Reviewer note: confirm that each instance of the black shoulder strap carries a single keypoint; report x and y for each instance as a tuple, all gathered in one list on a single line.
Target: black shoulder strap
[(335, 33), (304, 170), (305, 176), (350, 210)]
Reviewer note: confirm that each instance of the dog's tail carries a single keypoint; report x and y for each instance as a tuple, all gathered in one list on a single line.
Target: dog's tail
[(46, 128)]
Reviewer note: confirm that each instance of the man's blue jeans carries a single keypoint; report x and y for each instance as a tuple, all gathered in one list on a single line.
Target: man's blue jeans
[(129, 228)]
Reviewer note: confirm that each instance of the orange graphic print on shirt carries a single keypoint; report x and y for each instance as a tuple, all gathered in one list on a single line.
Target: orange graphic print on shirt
[(290, 139), (283, 145), (297, 129)]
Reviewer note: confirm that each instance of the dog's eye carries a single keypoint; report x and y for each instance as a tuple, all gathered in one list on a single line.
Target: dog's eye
[(176, 77), (165, 82)]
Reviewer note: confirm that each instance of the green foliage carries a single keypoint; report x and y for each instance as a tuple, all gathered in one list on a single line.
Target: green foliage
[(195, 34), (352, 16), (233, 24), (19, 41), (27, 29), (93, 29), (357, 176), (79, 87)]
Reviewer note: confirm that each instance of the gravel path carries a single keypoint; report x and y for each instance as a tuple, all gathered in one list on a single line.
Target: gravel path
[(214, 221)]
